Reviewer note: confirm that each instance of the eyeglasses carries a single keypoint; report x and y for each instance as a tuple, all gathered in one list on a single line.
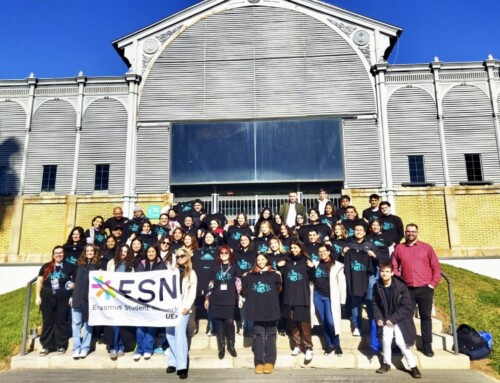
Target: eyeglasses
[(181, 256), (224, 252)]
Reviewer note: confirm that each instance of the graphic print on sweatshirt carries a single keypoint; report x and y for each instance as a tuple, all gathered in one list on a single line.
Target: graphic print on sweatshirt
[(261, 288), (71, 260), (134, 227), (236, 235), (320, 274), (244, 265), (223, 277), (315, 257), (294, 276), (263, 248), (356, 266), (386, 226), (207, 257), (58, 275)]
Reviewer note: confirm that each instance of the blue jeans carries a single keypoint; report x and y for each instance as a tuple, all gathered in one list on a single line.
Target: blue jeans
[(177, 353), (323, 308), (118, 344), (145, 337), (80, 343), (356, 312), (372, 279)]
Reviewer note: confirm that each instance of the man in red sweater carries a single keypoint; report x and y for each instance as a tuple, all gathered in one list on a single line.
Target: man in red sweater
[(416, 262)]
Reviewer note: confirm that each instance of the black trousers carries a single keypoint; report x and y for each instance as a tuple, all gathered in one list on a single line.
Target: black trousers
[(55, 324), (264, 342), (423, 297)]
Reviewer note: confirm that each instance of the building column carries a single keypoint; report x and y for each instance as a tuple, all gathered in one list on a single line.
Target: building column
[(129, 196), (31, 80), (436, 66), (388, 188), (492, 64), (80, 79)]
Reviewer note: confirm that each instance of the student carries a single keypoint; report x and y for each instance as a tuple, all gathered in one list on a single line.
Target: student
[(392, 225), (329, 218), (373, 212), (338, 242), (96, 234), (203, 262), (358, 255), (261, 287), (222, 299), (297, 271), (275, 255), (314, 223), (261, 243), (164, 246), (328, 296), (177, 353), (266, 215), (108, 253), (74, 245), (147, 234), (235, 231), (352, 220), (285, 237), (345, 202), (177, 238), (52, 295), (393, 312), (90, 260)]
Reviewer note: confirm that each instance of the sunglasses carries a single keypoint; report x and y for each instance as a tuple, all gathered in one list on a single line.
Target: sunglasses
[(224, 252), (165, 243), (181, 256)]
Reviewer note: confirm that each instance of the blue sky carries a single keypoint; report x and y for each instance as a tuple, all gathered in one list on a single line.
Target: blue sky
[(58, 38)]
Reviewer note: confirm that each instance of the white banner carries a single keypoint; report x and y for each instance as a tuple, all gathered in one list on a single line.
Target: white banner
[(149, 299)]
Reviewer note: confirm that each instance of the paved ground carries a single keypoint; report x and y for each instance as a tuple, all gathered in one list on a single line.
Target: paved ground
[(240, 376)]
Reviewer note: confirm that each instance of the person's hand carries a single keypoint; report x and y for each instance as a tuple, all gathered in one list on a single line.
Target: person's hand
[(380, 323), (309, 263), (185, 311), (281, 263), (345, 250), (206, 304), (388, 323), (432, 287), (371, 253), (240, 303), (70, 303), (38, 301)]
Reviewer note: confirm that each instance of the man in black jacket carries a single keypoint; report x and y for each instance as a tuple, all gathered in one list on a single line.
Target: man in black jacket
[(393, 312), (392, 225)]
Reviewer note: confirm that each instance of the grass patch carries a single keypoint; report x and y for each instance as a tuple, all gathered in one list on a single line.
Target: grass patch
[(477, 303), (11, 323)]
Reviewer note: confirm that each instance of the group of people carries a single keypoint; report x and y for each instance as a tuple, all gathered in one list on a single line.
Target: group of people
[(291, 270)]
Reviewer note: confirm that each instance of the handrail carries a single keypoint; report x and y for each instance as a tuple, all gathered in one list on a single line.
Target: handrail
[(452, 312), (27, 314)]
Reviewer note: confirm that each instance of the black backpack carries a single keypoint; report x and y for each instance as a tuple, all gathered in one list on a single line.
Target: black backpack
[(471, 343)]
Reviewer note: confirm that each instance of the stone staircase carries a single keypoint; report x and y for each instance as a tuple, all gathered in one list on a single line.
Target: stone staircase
[(203, 355)]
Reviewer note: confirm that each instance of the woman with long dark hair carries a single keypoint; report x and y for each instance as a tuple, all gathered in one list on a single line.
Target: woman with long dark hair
[(222, 299), (236, 230), (52, 295), (90, 260), (74, 245)]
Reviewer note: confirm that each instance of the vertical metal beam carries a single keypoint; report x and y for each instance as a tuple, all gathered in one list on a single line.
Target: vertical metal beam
[(492, 64), (436, 66), (80, 79), (31, 80)]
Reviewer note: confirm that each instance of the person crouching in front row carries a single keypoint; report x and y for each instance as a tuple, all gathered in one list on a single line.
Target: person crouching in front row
[(393, 312)]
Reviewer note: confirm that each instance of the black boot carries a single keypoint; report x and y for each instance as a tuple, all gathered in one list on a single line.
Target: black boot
[(221, 339), (230, 343), (183, 374)]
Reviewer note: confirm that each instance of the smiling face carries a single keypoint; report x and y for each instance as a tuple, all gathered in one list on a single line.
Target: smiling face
[(284, 231), (209, 239), (123, 252), (224, 256), (146, 227), (214, 225), (151, 253), (264, 228), (241, 219), (75, 236), (118, 213), (313, 237), (177, 234), (110, 242), (164, 220), (58, 255), (328, 209), (136, 246), (375, 226), (97, 222), (386, 274), (188, 241), (181, 257), (266, 214), (313, 215), (324, 254), (351, 213), (274, 245), (261, 261), (295, 250), (244, 242)]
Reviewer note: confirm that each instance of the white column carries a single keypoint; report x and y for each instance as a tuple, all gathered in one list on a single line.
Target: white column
[(129, 196), (436, 66), (31, 80), (80, 79), (492, 65), (384, 124)]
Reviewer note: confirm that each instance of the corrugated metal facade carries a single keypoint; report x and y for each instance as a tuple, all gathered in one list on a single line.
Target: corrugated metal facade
[(103, 141), (469, 128), (12, 136), (52, 142), (153, 160), (256, 62), (362, 154), (414, 130)]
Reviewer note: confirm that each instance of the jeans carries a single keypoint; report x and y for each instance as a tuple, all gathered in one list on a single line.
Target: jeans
[(118, 344), (323, 308), (388, 333), (80, 343), (145, 339), (423, 298), (356, 312), (372, 279), (264, 343), (177, 353)]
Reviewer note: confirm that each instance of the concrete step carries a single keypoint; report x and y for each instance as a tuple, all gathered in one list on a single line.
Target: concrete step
[(203, 359)]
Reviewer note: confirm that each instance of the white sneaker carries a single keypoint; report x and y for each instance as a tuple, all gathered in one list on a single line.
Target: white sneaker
[(147, 355), (295, 351), (309, 355), (76, 354), (83, 354), (137, 356), (356, 332)]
